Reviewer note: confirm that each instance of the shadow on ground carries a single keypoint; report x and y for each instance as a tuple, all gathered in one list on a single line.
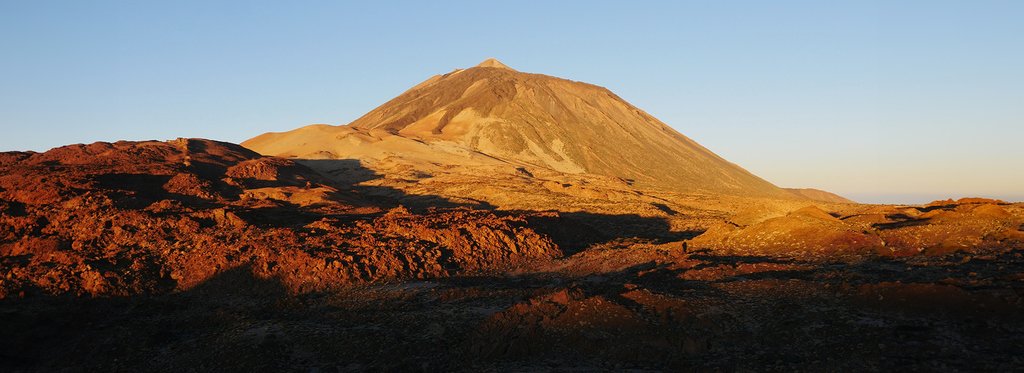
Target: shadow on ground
[(571, 231), (648, 316), (349, 174)]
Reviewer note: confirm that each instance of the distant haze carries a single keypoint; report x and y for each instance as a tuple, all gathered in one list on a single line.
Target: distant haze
[(922, 198), (879, 101)]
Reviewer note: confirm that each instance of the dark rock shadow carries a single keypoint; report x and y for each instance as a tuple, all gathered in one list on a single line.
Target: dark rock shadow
[(137, 191), (664, 208), (281, 215), (946, 207), (12, 208), (768, 318), (236, 321), (900, 224), (575, 231), (348, 174), (204, 328), (571, 231), (134, 191)]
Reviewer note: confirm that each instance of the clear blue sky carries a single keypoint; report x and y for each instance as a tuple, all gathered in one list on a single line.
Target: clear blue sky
[(883, 101)]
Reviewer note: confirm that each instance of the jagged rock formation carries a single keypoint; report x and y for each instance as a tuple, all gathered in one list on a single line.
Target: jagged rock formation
[(154, 217)]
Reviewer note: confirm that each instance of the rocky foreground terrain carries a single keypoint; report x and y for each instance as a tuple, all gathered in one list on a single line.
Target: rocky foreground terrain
[(201, 255)]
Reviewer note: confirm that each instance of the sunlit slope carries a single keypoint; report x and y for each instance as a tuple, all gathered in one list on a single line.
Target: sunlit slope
[(494, 114)]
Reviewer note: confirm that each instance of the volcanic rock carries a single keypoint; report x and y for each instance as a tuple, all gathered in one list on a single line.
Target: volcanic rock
[(154, 217)]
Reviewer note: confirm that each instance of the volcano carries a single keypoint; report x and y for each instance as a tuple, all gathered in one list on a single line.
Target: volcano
[(491, 114)]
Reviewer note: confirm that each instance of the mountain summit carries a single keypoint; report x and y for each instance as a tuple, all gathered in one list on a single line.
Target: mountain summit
[(491, 113), (493, 62)]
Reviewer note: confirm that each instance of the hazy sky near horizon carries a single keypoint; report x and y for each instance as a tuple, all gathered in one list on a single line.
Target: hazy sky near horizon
[(881, 101)]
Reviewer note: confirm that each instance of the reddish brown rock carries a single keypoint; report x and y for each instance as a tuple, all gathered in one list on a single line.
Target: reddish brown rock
[(151, 217), (807, 231)]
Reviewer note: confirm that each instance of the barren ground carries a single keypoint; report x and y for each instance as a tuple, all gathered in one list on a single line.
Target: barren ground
[(198, 255)]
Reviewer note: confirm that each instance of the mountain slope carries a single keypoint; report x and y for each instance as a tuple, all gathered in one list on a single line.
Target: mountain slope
[(492, 114), (819, 195)]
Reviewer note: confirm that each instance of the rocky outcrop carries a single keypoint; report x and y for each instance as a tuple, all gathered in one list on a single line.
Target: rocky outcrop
[(152, 217), (968, 225)]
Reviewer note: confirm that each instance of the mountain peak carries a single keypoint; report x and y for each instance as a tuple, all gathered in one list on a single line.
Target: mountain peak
[(493, 62), (489, 113)]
